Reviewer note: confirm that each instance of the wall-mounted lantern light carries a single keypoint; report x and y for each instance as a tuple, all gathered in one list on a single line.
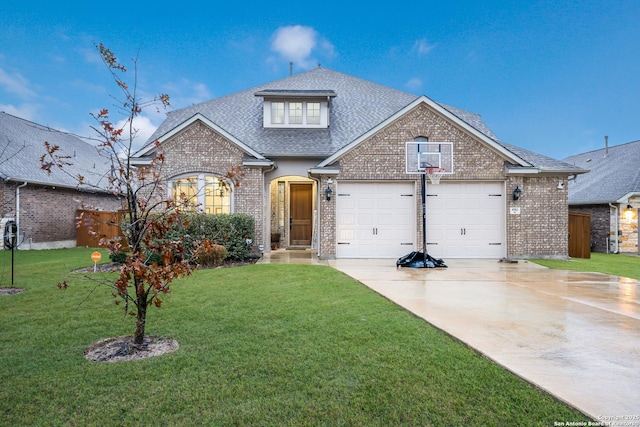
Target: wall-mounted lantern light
[(516, 193), (327, 193), (628, 213)]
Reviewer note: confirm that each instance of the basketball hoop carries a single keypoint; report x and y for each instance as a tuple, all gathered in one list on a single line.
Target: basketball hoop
[(434, 174)]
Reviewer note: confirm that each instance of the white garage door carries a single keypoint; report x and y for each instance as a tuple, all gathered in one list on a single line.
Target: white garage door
[(375, 220), (466, 220)]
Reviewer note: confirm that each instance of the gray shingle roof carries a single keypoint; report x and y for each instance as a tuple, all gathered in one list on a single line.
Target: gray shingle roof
[(359, 106), (22, 145), (613, 174), (541, 162)]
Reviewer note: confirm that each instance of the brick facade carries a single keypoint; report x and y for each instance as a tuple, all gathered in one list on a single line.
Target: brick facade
[(198, 148), (543, 207), (539, 229), (48, 214)]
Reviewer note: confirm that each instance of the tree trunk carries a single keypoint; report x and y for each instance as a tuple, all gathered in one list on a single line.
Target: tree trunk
[(141, 320)]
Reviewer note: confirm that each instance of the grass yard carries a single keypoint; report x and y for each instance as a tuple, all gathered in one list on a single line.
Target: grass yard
[(259, 345), (614, 264)]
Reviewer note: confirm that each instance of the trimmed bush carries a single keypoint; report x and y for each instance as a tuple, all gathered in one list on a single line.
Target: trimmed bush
[(209, 254), (232, 231)]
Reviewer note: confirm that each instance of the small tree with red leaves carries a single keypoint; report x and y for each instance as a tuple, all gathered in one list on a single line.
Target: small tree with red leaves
[(151, 263)]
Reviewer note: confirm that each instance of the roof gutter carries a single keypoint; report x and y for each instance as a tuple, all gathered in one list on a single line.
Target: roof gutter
[(54, 185), (541, 170), (626, 197), (323, 171)]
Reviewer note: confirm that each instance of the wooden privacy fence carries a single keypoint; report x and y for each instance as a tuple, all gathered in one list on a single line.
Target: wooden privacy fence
[(579, 235), (96, 225)]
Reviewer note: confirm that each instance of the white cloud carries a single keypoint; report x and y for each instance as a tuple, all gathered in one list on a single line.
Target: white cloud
[(422, 47), (26, 111), (296, 44), (186, 92), (414, 84), (16, 84), (143, 127)]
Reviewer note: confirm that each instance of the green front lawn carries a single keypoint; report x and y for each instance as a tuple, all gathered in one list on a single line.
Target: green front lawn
[(613, 264), (259, 345)]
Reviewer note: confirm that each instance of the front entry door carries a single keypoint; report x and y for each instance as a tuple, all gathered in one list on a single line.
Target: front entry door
[(301, 211)]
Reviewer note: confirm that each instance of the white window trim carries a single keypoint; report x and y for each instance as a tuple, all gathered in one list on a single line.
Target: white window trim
[(324, 114), (200, 192)]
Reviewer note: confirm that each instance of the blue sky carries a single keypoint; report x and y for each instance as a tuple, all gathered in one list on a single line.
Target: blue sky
[(553, 77)]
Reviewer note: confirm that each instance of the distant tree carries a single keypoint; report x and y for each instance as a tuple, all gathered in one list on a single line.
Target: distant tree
[(151, 263)]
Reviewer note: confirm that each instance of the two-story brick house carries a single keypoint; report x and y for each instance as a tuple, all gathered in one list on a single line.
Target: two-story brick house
[(329, 163)]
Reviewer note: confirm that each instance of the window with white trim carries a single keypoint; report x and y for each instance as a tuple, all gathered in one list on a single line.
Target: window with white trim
[(296, 113), (203, 193), (313, 113), (277, 113)]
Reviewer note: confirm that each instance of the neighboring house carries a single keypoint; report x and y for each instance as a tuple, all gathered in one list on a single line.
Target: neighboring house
[(610, 192), (330, 163), (44, 205)]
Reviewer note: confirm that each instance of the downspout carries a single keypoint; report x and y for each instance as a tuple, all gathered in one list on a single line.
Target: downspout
[(316, 224), (266, 233), (18, 205), (617, 228)]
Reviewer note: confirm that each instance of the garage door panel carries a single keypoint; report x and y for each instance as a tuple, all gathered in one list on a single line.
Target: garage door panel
[(466, 220), (384, 221), (463, 220)]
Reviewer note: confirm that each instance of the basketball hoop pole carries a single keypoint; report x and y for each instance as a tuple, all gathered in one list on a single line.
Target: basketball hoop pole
[(424, 218)]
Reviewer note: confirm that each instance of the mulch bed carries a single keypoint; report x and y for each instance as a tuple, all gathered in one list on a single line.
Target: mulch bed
[(120, 349), (112, 266), (10, 290)]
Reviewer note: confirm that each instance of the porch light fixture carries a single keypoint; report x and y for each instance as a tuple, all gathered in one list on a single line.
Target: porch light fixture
[(327, 193), (516, 193), (628, 213)]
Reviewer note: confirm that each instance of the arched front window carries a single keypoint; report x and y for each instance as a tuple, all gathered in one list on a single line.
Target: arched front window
[(205, 193)]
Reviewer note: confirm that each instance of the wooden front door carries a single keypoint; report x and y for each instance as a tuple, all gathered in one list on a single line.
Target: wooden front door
[(300, 222)]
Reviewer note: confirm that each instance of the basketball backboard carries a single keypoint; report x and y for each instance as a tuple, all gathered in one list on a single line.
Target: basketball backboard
[(422, 155)]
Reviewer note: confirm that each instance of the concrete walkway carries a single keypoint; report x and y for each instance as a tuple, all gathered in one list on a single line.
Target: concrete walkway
[(575, 335)]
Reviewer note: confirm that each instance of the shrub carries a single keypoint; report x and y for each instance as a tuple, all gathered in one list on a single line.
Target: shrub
[(232, 231), (154, 258), (118, 257), (209, 254)]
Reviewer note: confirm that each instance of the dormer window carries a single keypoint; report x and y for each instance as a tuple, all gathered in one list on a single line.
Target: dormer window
[(277, 113), (296, 108)]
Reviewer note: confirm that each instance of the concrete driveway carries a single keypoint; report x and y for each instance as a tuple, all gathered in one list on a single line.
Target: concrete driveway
[(575, 335)]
